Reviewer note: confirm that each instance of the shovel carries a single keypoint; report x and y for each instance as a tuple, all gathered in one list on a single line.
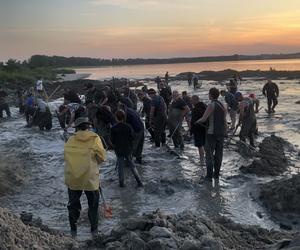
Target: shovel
[(106, 210)]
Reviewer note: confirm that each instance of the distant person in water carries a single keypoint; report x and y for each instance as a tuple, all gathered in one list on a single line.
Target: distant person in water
[(271, 91), (237, 78), (195, 81), (190, 78), (167, 78), (157, 81)]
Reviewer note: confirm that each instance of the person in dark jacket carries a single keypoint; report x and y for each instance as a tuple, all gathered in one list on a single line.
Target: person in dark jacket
[(177, 111), (271, 91), (215, 113), (133, 119), (122, 137), (95, 95), (166, 93), (232, 106), (158, 117), (131, 95), (146, 112), (198, 130), (247, 118)]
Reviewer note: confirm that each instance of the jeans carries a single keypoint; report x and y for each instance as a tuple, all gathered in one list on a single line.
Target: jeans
[(122, 161), (74, 208), (214, 154)]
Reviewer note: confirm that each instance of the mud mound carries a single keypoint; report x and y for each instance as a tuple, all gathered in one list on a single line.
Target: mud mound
[(184, 231), (282, 195), (272, 161), (14, 234), (11, 174)]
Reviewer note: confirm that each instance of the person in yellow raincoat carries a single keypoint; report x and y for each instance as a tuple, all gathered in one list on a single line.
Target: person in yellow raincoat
[(83, 152)]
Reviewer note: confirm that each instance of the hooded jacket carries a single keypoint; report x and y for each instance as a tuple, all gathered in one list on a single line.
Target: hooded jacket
[(83, 152)]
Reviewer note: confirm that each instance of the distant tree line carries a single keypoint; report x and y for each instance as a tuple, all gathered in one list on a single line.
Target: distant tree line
[(60, 61)]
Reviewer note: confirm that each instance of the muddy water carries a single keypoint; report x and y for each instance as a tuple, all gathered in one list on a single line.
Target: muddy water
[(171, 184)]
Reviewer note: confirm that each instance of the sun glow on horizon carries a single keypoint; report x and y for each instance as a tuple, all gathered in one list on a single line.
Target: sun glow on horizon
[(148, 28)]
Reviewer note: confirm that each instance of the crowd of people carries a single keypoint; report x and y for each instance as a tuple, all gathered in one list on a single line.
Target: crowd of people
[(109, 119)]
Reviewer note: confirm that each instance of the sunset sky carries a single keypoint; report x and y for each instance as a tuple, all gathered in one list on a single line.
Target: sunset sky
[(147, 28)]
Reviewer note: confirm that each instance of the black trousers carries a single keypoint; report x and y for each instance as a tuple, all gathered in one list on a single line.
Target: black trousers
[(160, 123), (74, 207), (272, 102), (138, 145), (214, 154)]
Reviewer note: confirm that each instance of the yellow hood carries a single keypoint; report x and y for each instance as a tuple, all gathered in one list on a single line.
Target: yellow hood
[(83, 151)]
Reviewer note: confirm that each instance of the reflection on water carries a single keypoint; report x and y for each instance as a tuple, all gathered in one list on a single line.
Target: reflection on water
[(151, 71), (171, 184)]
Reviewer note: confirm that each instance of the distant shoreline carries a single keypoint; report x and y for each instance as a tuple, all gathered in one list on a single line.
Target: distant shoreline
[(61, 61), (134, 65)]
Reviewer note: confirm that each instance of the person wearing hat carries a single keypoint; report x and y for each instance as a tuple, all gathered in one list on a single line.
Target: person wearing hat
[(83, 152), (158, 117)]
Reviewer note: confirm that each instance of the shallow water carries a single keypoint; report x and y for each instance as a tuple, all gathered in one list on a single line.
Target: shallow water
[(151, 71), (171, 184)]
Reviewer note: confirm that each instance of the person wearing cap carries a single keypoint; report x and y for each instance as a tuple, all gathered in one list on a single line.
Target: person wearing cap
[(215, 114), (271, 91), (247, 118), (232, 106), (158, 117), (83, 152), (122, 137)]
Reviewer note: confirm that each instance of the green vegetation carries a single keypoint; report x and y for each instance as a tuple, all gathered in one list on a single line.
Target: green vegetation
[(60, 61), (15, 73)]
